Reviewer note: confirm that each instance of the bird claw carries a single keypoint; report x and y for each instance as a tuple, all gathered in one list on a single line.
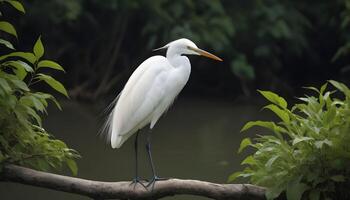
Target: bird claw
[(137, 180), (153, 181)]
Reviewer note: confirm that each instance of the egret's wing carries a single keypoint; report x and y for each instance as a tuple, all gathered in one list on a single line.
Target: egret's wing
[(139, 98)]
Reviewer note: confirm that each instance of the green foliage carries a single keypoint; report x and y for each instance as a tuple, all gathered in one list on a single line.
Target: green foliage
[(262, 42), (308, 154), (172, 18), (241, 68), (23, 140)]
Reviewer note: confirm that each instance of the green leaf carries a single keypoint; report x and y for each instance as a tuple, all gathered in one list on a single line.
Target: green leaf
[(248, 161), (4, 84), (17, 5), (19, 64), (319, 144), (50, 64), (56, 103), (42, 95), (312, 88), (25, 55), (301, 139), (38, 105), (8, 28), (53, 83), (20, 84), (270, 125), (295, 190), (271, 161), (35, 115), (38, 48), (274, 192), (245, 142), (48, 96), (279, 112), (12, 101), (330, 115), (323, 88), (72, 166), (233, 176), (21, 73), (32, 101), (340, 86), (7, 44), (274, 98), (42, 164)]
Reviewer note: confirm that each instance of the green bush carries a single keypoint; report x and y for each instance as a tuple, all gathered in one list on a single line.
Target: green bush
[(308, 154), (23, 140)]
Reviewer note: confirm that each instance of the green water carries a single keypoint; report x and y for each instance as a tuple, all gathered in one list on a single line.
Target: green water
[(196, 139)]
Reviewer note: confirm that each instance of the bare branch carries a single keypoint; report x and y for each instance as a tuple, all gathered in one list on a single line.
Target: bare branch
[(123, 190)]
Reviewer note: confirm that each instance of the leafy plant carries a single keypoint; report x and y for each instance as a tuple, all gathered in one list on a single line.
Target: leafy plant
[(23, 140), (308, 154)]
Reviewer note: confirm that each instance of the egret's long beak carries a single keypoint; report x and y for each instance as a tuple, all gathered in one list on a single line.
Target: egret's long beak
[(205, 53), (160, 48)]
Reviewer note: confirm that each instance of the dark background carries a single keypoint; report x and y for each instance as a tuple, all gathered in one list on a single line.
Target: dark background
[(276, 45), (272, 44)]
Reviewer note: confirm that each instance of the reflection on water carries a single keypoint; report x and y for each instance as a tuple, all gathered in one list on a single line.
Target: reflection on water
[(196, 139)]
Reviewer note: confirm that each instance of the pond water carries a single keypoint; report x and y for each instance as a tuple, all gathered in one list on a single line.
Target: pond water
[(196, 139)]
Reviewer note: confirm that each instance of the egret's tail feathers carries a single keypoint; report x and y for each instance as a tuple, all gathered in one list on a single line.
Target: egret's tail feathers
[(110, 107), (117, 142), (106, 130), (110, 135)]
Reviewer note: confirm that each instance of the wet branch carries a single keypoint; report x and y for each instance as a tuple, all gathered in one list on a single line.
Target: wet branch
[(123, 190)]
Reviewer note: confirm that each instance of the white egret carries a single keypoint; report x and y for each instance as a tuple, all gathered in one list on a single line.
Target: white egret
[(148, 93)]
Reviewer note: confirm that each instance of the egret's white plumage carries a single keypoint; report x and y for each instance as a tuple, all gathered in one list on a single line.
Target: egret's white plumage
[(150, 90)]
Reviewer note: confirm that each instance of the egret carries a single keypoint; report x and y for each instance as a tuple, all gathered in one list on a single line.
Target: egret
[(148, 93)]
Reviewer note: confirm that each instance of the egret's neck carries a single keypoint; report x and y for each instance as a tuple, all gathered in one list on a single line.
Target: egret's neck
[(175, 58), (181, 64)]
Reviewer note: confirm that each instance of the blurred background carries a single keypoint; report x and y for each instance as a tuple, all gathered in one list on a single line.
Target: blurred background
[(276, 45)]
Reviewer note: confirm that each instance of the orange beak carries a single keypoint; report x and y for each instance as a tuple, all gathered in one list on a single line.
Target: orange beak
[(205, 53)]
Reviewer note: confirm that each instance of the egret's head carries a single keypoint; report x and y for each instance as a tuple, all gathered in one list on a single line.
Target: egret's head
[(187, 47)]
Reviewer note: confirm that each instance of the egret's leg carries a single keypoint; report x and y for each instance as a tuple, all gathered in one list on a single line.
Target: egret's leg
[(155, 177), (136, 157), (137, 178)]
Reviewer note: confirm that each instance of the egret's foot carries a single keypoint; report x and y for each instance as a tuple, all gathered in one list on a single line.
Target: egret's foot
[(140, 181), (154, 179)]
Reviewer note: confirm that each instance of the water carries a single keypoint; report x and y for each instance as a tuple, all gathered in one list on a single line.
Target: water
[(196, 139)]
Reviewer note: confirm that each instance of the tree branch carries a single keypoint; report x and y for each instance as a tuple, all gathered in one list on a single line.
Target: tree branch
[(123, 190)]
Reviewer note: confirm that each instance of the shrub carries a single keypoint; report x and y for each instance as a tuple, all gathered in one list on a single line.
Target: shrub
[(308, 154), (23, 140)]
